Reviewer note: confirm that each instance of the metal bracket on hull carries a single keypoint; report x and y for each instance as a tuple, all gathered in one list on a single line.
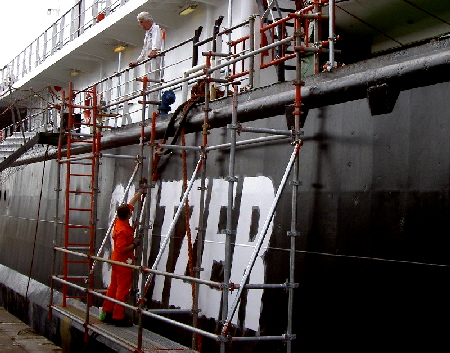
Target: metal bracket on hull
[(382, 98)]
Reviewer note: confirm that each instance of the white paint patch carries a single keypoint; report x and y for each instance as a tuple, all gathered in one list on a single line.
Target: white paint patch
[(257, 192)]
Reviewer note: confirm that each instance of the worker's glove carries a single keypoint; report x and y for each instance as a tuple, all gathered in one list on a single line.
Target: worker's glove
[(136, 242)]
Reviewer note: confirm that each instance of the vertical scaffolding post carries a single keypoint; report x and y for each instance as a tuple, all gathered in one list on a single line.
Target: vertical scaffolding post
[(93, 205), (317, 10), (331, 34), (293, 231), (146, 227), (197, 267), (230, 206), (261, 236), (143, 218), (251, 68)]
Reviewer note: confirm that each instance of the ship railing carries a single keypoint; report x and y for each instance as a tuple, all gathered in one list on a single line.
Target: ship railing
[(41, 121), (84, 15), (117, 89), (240, 59), (243, 58)]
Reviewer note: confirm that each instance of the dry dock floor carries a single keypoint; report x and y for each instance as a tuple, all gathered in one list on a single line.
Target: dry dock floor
[(17, 337)]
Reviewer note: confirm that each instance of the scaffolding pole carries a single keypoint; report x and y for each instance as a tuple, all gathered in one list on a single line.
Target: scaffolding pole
[(174, 221), (230, 205), (227, 312), (110, 227), (258, 245)]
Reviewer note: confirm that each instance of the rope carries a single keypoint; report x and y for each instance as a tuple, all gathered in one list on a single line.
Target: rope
[(37, 225), (184, 109)]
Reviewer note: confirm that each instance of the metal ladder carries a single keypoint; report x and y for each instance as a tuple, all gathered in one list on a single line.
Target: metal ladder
[(81, 191)]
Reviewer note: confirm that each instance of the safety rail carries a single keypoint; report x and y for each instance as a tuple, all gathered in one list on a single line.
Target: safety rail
[(154, 313), (79, 18)]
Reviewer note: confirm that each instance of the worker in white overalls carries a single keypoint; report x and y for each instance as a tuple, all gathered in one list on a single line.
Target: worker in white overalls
[(151, 48)]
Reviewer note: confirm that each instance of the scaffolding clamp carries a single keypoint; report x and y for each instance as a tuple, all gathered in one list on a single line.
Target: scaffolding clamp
[(234, 127), (290, 285), (224, 337), (293, 234), (231, 179), (196, 311), (205, 128), (295, 182), (227, 232), (231, 286), (289, 336)]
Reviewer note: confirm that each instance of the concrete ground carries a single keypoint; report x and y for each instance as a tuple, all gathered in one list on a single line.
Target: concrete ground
[(17, 337)]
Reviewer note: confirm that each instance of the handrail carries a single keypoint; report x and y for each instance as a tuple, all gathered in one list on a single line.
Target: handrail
[(55, 37)]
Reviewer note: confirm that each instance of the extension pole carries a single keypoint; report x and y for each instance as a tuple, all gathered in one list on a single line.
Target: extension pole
[(108, 232), (259, 242)]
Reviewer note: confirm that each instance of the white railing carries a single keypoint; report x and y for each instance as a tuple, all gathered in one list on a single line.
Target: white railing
[(81, 17)]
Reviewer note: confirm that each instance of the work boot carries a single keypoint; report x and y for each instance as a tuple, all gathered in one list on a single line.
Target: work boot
[(123, 323), (106, 317)]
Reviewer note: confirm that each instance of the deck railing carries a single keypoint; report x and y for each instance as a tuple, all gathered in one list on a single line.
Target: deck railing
[(81, 17)]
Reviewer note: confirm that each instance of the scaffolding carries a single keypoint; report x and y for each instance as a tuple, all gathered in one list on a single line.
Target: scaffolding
[(79, 250)]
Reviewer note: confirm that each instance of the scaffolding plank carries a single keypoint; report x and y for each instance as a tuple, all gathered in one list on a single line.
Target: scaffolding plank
[(127, 335)]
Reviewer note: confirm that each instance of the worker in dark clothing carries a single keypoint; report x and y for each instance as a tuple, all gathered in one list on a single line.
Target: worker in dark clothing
[(121, 276)]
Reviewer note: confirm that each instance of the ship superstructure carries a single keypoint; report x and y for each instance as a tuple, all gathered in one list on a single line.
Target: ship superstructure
[(241, 234)]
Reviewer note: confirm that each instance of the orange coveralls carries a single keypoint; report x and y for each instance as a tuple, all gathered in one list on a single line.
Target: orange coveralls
[(121, 276)]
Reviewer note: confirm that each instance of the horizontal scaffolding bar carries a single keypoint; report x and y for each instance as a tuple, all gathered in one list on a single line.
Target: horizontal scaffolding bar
[(247, 142), (149, 102), (163, 273), (78, 248), (119, 156), (170, 311), (179, 147), (80, 157), (207, 53), (80, 163), (144, 312), (265, 130), (264, 338), (72, 277)]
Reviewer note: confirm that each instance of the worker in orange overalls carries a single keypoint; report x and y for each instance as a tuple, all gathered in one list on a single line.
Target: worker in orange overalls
[(121, 276)]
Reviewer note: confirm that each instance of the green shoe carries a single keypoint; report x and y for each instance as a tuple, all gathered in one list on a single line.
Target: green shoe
[(106, 317)]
